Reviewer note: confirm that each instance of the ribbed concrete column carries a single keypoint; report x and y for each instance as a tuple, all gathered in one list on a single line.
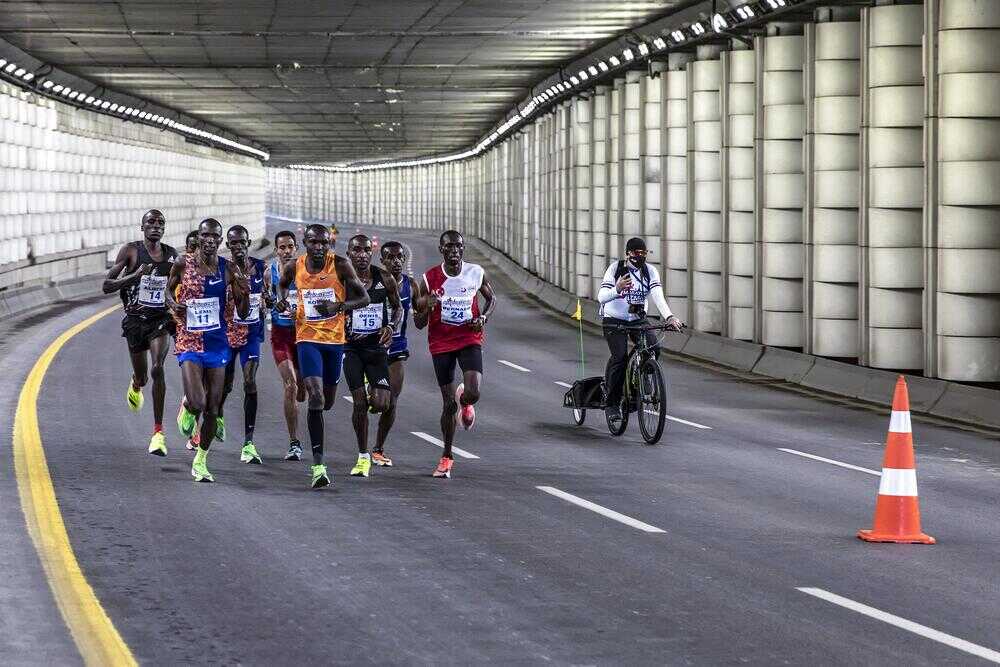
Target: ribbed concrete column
[(565, 257), (968, 163), (631, 146), (784, 190), (616, 152), (834, 184), (741, 76), (599, 178), (652, 163), (527, 192), (705, 217), (534, 235), (583, 137), (676, 177)]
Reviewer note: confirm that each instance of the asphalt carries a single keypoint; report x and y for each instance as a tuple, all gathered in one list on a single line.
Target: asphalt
[(485, 567)]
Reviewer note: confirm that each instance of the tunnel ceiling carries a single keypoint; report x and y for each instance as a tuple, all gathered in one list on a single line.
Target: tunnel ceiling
[(320, 81)]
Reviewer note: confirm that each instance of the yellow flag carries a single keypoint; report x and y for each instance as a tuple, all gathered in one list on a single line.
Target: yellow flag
[(578, 313)]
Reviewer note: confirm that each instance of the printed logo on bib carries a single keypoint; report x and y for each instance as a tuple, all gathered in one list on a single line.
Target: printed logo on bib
[(367, 320), (293, 301), (311, 298), (151, 291), (202, 314), (457, 310), (254, 315)]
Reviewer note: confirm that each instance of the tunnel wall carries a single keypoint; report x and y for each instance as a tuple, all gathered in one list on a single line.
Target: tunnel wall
[(74, 179), (834, 190)]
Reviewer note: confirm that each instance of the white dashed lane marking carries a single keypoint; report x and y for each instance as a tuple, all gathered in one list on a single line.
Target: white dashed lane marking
[(806, 455), (513, 365), (434, 441), (603, 511)]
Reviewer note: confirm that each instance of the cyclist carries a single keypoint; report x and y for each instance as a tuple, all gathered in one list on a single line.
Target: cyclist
[(627, 285)]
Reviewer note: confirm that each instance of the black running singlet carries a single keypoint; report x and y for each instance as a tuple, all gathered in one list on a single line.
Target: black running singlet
[(149, 294), (364, 325)]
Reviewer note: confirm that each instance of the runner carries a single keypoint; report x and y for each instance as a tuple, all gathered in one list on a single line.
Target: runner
[(190, 246), (139, 275), (370, 329), (394, 259), (238, 242), (212, 293), (283, 339), (326, 287), (448, 304), (191, 241)]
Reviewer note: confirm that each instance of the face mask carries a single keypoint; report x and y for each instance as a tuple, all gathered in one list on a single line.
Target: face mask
[(637, 261)]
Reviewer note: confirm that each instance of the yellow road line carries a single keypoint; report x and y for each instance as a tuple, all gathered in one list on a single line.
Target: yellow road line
[(96, 637)]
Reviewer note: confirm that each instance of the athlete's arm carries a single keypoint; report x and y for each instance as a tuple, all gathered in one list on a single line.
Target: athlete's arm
[(486, 289), (239, 284), (115, 281), (284, 282), (176, 274), (266, 294), (422, 303), (357, 295), (392, 294)]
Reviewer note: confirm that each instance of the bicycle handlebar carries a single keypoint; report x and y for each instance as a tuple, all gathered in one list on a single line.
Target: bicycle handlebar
[(644, 327)]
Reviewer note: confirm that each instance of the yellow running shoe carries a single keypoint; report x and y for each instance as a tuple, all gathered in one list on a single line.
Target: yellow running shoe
[(363, 467), (199, 467), (186, 421), (158, 444), (319, 477), (134, 398)]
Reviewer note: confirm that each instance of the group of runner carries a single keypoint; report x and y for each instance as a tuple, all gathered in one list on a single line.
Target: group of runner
[(329, 315)]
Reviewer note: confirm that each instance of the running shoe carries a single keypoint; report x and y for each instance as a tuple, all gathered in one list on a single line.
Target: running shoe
[(294, 451), (194, 441), (158, 444), (134, 398), (186, 421), (199, 467), (444, 468), (466, 415), (363, 467), (319, 477), (249, 454), (220, 429), (380, 459)]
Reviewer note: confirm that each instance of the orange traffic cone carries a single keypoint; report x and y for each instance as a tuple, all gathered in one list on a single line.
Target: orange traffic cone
[(897, 509)]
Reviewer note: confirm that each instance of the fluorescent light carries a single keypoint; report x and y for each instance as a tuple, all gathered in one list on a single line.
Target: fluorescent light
[(47, 84), (745, 12), (88, 100), (614, 61), (644, 49), (592, 70), (775, 4), (627, 53), (2, 62), (575, 81), (27, 76), (719, 23), (603, 65), (659, 43), (698, 28), (105, 105), (57, 89), (19, 72), (114, 107), (10, 68)]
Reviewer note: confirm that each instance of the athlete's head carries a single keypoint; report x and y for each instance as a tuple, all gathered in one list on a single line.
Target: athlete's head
[(452, 247), (317, 241), (285, 245), (359, 250), (393, 257), (153, 225), (635, 250), (209, 237), (238, 242), (191, 242), (334, 233)]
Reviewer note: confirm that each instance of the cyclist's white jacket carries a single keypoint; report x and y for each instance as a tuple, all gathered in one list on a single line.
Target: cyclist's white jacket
[(616, 305)]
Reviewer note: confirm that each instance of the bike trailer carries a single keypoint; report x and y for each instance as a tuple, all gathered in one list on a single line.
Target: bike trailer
[(586, 394)]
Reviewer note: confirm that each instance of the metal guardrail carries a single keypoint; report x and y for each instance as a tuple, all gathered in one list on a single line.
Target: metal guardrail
[(55, 267)]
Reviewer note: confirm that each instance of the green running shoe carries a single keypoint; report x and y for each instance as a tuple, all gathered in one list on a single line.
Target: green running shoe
[(134, 398), (158, 444), (249, 454), (199, 467), (186, 422), (363, 467), (220, 429), (319, 477)]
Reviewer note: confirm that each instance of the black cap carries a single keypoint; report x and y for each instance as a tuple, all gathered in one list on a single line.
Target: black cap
[(635, 243)]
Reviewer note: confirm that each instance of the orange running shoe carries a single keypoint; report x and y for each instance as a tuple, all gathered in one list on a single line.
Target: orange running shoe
[(380, 459), (194, 441), (444, 468)]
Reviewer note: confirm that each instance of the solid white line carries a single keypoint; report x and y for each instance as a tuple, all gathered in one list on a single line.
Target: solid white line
[(831, 461), (603, 511), (513, 365), (434, 441), (915, 628), (563, 384)]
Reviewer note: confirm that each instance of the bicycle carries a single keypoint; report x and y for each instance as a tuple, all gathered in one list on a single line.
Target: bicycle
[(645, 390)]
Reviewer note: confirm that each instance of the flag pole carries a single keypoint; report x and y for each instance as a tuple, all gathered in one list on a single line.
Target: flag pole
[(578, 316)]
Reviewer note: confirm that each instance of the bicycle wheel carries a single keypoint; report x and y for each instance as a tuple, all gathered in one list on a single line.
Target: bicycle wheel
[(579, 416), (652, 401), (617, 428)]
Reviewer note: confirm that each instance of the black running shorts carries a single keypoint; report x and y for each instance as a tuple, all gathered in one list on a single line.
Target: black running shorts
[(469, 358), (138, 329), (361, 363)]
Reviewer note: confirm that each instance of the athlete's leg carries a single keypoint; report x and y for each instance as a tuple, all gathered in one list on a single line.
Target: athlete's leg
[(388, 416), (250, 398), (158, 349), (214, 381), (194, 387), (229, 378), (140, 370), (448, 411), (473, 381), (359, 418), (286, 369)]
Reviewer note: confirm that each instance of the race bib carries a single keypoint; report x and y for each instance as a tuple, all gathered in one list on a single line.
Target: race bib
[(293, 300), (254, 315), (367, 320), (635, 297), (457, 310), (202, 314), (151, 290), (311, 298)]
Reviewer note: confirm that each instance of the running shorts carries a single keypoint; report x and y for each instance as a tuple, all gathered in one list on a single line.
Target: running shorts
[(366, 363), (323, 360), (213, 359), (283, 345), (401, 355), (138, 329), (469, 358), (250, 350)]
